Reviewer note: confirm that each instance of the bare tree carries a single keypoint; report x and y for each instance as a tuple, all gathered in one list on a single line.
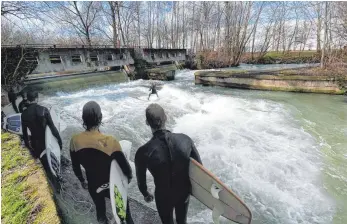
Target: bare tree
[(238, 30), (81, 16), (16, 64), (319, 25), (325, 35), (138, 13), (341, 23), (22, 10)]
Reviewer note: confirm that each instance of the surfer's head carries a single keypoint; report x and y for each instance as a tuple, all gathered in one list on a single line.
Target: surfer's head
[(32, 96), (155, 117), (24, 95), (91, 115)]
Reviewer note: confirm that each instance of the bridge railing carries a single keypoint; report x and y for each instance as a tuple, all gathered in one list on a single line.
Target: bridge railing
[(44, 46), (57, 46)]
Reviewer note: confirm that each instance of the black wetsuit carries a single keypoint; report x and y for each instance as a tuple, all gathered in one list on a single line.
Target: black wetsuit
[(3, 115), (167, 157), (154, 91), (36, 118), (95, 152), (23, 105), (12, 97)]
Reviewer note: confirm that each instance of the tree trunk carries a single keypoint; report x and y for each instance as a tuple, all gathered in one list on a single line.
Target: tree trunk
[(254, 32), (114, 23), (117, 4), (319, 26), (322, 61), (138, 23)]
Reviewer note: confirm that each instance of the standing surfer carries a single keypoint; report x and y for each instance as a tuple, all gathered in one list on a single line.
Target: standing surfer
[(153, 88), (36, 118), (95, 152), (12, 97), (167, 157), (23, 105)]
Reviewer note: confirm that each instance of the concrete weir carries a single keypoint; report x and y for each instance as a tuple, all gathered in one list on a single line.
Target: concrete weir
[(75, 81), (271, 80), (59, 66)]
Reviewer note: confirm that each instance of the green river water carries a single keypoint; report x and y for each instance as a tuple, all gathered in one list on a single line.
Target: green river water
[(285, 154)]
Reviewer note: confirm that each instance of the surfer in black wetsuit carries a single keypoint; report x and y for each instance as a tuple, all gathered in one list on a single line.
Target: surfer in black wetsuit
[(23, 105), (167, 157), (95, 152), (3, 116), (36, 118), (12, 97), (153, 88)]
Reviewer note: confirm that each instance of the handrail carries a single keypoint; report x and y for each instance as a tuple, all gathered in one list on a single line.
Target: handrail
[(84, 46)]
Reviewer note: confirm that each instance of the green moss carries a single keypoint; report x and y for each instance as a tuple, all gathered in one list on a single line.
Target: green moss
[(296, 89), (221, 73), (24, 188), (279, 75), (80, 81), (162, 69), (38, 75), (285, 75)]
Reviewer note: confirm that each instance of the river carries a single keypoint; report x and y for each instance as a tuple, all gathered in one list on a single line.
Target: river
[(284, 154)]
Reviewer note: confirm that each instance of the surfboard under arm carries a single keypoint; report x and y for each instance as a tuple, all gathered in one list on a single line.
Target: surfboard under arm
[(119, 186), (214, 194)]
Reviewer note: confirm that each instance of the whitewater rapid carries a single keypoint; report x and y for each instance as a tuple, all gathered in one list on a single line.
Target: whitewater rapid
[(254, 145)]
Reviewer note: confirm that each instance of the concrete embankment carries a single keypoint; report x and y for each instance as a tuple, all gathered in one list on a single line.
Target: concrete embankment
[(75, 81), (164, 73), (66, 82), (282, 80)]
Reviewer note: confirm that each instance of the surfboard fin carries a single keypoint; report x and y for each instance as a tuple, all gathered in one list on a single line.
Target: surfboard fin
[(215, 215), (215, 191), (217, 210)]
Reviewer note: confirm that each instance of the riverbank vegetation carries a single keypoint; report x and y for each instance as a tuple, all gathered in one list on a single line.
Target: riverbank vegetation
[(26, 195), (216, 34)]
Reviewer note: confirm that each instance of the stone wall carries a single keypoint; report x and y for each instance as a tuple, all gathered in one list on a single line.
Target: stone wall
[(269, 82)]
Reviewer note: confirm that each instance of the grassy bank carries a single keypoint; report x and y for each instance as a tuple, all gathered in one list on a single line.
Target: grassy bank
[(26, 195), (273, 57)]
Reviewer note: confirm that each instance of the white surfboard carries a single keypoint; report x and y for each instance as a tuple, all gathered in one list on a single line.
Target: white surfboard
[(210, 191), (151, 99), (8, 109), (13, 124), (119, 186), (52, 146)]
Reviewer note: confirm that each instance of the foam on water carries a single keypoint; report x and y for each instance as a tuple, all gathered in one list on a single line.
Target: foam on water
[(255, 146)]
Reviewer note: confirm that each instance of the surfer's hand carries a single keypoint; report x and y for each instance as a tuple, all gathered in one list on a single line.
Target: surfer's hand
[(84, 184), (149, 198)]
